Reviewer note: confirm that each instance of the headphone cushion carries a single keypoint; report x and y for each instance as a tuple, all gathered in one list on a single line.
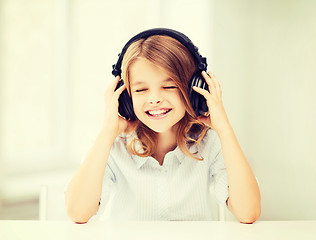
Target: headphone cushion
[(198, 102), (126, 108)]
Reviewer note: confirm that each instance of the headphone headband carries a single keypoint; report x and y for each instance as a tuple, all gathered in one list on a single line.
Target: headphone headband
[(183, 39)]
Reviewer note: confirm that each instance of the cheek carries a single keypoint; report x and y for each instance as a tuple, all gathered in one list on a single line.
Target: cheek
[(183, 110), (177, 99), (183, 106), (136, 104)]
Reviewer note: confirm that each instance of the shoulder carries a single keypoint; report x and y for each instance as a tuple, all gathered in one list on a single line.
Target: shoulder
[(119, 154), (119, 146), (210, 138), (210, 145)]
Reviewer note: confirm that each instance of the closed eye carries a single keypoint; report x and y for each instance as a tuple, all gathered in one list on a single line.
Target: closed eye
[(141, 90), (170, 87)]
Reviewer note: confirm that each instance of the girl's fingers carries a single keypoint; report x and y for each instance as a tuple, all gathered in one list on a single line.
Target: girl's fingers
[(115, 82), (208, 79), (118, 91), (214, 86), (209, 82), (217, 84), (110, 93), (211, 75), (202, 91)]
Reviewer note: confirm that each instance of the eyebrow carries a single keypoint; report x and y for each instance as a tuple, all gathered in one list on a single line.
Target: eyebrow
[(140, 82)]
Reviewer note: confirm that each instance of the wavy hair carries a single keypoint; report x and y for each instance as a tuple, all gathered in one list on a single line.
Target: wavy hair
[(176, 60)]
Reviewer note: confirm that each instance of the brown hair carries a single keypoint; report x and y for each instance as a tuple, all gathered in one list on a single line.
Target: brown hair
[(176, 60)]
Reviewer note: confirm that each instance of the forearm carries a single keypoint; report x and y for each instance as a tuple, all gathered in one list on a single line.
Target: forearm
[(244, 194), (84, 191)]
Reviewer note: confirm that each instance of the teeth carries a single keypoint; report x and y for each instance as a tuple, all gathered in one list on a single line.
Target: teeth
[(157, 112)]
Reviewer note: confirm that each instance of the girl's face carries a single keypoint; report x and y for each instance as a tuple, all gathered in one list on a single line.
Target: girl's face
[(156, 99)]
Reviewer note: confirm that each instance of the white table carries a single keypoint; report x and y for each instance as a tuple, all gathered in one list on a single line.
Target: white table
[(267, 230)]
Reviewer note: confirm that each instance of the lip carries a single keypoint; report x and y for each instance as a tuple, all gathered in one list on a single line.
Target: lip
[(158, 116)]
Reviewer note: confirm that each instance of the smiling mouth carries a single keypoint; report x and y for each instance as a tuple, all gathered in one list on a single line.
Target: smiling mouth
[(158, 113)]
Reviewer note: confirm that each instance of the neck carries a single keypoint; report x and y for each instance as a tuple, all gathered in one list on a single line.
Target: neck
[(166, 142)]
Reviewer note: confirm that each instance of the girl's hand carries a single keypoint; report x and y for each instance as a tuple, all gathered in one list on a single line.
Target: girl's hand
[(113, 123), (217, 118)]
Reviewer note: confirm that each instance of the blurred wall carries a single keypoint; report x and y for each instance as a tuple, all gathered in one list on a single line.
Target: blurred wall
[(265, 57), (55, 63)]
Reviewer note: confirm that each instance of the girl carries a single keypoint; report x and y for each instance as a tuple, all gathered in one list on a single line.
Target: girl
[(161, 166)]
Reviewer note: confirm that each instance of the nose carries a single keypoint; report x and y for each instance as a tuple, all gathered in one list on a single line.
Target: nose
[(153, 102), (154, 98)]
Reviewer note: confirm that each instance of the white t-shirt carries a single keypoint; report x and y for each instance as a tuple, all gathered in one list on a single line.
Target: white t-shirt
[(138, 188)]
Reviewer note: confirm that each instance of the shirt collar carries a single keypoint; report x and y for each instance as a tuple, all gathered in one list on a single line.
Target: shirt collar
[(140, 161)]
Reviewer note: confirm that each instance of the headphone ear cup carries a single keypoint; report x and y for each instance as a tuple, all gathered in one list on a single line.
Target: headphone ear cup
[(198, 102), (125, 108)]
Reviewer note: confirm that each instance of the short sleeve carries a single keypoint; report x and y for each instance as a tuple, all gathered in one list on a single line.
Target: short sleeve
[(218, 177), (107, 187), (217, 170)]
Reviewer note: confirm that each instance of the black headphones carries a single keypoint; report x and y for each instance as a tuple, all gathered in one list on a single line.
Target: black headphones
[(198, 102)]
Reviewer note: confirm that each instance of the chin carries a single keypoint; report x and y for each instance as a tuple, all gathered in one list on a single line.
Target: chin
[(157, 129), (160, 128)]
